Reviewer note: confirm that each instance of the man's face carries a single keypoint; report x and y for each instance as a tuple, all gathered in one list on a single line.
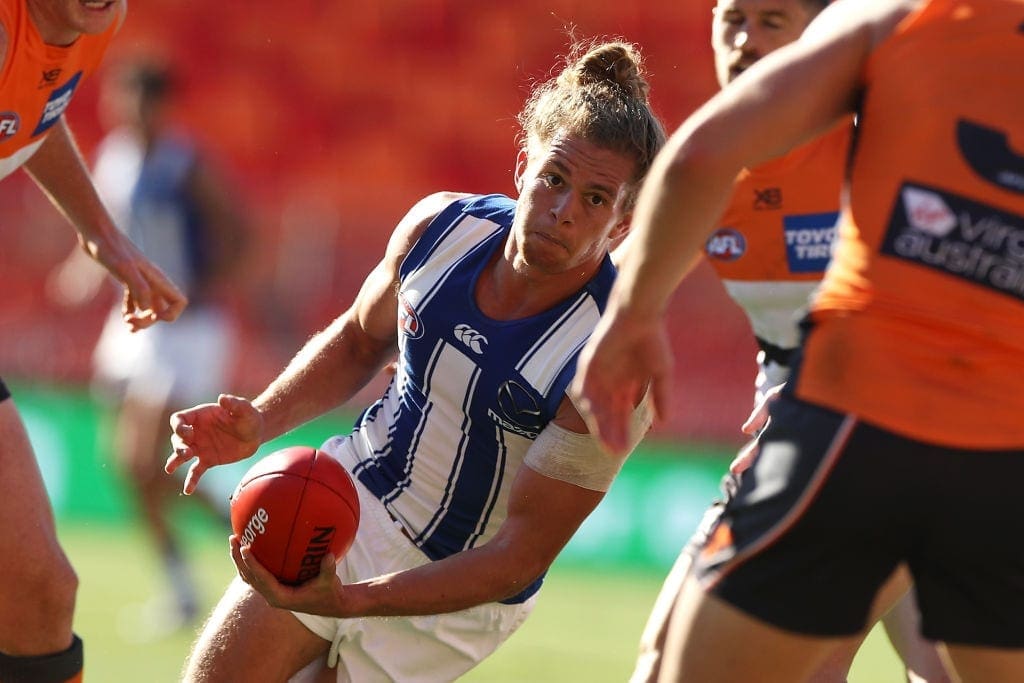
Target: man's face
[(743, 31), (571, 200), (61, 20)]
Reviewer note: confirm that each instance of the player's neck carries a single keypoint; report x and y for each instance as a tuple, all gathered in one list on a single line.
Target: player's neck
[(513, 291), (51, 29)]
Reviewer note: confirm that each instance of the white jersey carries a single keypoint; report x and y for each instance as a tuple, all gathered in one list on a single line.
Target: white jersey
[(441, 448)]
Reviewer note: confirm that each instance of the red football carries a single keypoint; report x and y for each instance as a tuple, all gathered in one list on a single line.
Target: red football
[(293, 507)]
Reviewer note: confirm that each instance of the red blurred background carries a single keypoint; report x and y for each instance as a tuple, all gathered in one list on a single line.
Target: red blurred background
[(331, 119)]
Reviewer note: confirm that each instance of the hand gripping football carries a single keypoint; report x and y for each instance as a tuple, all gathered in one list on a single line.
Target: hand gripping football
[(293, 507)]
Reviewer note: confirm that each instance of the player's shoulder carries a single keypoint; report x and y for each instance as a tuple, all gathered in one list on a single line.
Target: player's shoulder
[(416, 221)]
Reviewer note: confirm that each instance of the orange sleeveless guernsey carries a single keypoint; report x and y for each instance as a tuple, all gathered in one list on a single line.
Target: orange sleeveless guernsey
[(919, 322), (37, 81), (774, 239)]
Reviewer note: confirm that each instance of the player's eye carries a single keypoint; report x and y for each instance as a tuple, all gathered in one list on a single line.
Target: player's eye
[(553, 179), (733, 18)]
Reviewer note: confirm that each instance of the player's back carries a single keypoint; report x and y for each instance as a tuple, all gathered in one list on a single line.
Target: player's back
[(919, 325)]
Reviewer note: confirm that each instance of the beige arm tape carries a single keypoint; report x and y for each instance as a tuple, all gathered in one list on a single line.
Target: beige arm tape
[(578, 458)]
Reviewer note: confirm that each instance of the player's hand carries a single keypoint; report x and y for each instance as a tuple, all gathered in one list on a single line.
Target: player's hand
[(315, 596), (755, 424), (758, 419), (214, 434), (149, 295), (623, 356)]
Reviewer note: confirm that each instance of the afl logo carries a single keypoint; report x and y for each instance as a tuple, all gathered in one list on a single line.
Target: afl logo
[(9, 124), (408, 322), (725, 244)]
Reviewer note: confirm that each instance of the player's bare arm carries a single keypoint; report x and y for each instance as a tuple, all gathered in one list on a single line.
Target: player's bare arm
[(565, 477), (332, 366), (59, 170), (800, 90), (543, 515)]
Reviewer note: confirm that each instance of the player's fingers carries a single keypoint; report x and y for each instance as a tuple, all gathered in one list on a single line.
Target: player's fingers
[(172, 310), (745, 458), (233, 404), (181, 431), (328, 568), (661, 398), (192, 480), (139, 296), (611, 418), (259, 577), (235, 548), (175, 460)]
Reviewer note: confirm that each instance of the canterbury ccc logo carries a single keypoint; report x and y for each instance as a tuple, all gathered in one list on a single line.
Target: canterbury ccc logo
[(470, 337)]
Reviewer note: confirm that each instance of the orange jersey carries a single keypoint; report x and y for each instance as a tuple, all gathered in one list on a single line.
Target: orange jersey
[(37, 81), (919, 322), (774, 240)]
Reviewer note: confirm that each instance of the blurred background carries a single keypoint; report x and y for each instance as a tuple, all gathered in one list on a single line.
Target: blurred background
[(329, 120)]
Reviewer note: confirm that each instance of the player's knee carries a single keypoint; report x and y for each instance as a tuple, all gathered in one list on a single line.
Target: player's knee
[(51, 590)]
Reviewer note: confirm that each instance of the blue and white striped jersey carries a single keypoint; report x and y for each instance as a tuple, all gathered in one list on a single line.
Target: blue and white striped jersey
[(441, 448)]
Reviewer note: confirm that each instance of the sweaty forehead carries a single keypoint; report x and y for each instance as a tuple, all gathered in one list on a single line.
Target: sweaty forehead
[(588, 162)]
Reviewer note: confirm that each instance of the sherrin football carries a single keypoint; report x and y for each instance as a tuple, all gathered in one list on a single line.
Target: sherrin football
[(293, 507)]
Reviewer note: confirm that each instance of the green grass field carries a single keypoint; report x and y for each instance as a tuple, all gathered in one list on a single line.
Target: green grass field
[(585, 626)]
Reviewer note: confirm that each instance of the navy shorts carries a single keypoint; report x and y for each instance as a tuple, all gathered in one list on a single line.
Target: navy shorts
[(831, 505)]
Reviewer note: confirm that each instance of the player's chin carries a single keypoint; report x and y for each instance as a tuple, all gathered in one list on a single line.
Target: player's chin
[(95, 16)]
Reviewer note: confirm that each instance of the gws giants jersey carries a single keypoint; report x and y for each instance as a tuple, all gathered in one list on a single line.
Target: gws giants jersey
[(773, 242), (919, 323), (443, 445), (37, 81)]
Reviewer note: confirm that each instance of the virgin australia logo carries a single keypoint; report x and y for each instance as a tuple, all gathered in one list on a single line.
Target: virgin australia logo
[(470, 337)]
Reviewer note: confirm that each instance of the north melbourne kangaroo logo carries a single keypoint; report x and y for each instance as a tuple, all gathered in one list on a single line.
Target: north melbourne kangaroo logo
[(470, 337)]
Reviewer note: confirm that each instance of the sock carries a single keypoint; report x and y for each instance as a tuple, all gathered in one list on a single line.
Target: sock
[(58, 667)]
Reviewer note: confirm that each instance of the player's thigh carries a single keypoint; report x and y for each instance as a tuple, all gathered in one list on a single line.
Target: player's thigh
[(978, 664), (652, 639), (246, 639), (27, 533), (712, 641), (811, 534)]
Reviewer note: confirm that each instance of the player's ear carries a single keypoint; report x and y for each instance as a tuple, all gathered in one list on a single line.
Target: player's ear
[(621, 229), (522, 161)]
